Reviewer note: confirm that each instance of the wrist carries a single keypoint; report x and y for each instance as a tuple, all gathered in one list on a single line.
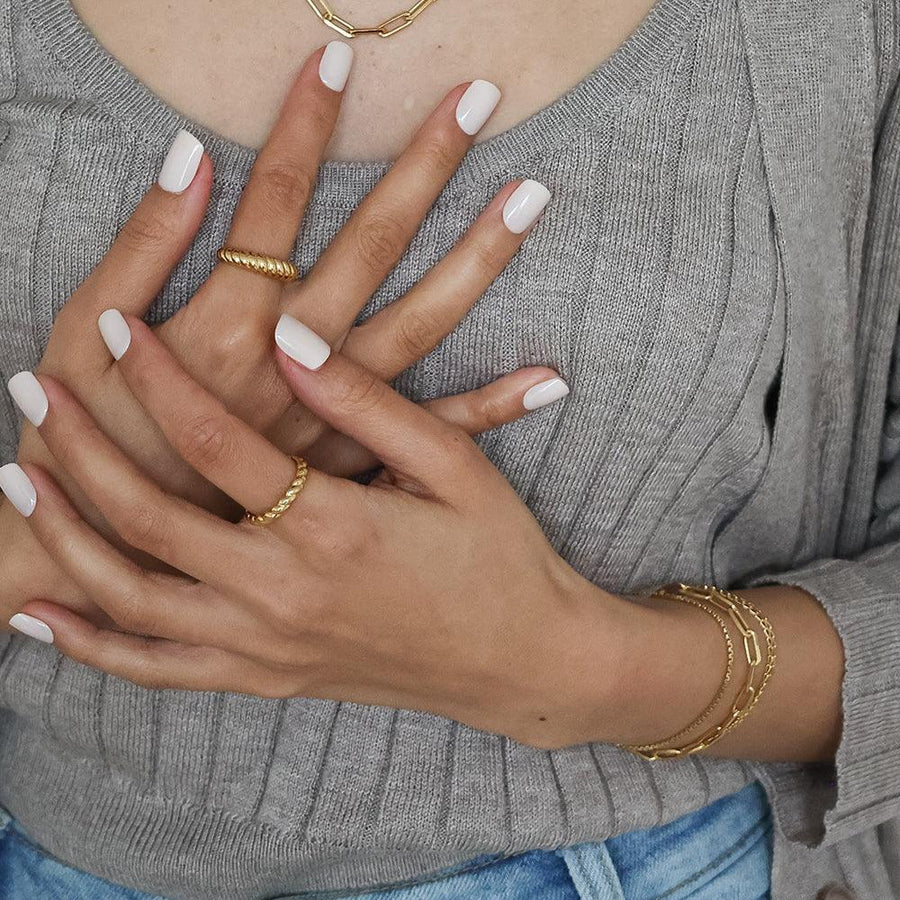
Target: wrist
[(635, 670), (581, 686)]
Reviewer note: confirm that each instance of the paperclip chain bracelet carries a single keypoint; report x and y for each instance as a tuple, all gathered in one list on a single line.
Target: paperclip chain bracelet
[(758, 672)]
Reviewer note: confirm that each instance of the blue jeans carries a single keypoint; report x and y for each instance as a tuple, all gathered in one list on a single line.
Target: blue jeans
[(720, 852)]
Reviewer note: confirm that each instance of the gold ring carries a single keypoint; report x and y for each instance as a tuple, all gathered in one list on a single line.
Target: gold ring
[(280, 269), (290, 495)]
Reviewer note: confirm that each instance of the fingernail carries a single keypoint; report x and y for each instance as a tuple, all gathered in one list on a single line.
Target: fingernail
[(301, 343), (334, 66), (33, 627), (524, 205), (545, 393), (18, 488), (115, 331), (29, 396), (181, 163), (476, 105)]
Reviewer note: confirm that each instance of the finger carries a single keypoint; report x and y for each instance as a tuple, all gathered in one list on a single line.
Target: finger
[(155, 237), (414, 325), (499, 403), (220, 446), (283, 178), (502, 401), (378, 232), (158, 664), (168, 528), (140, 601), (406, 438)]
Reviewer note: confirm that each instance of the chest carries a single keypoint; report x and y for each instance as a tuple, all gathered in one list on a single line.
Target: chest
[(227, 65)]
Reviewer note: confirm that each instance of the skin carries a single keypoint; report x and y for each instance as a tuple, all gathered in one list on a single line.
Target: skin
[(406, 592), (223, 335), (575, 664), (228, 64)]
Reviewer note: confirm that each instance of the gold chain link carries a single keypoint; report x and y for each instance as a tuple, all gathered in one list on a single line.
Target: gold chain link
[(753, 688), (388, 27)]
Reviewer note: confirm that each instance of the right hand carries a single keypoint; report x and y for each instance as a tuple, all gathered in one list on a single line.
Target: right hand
[(223, 335)]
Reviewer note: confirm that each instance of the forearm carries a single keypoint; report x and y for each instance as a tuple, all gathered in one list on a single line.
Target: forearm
[(655, 664)]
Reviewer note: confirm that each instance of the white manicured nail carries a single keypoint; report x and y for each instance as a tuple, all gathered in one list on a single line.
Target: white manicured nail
[(33, 627), (545, 393), (334, 66), (181, 163), (476, 105), (18, 488), (115, 331), (301, 343), (29, 396), (524, 205)]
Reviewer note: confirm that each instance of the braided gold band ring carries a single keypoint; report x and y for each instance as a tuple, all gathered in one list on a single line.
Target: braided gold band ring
[(280, 269), (290, 495)]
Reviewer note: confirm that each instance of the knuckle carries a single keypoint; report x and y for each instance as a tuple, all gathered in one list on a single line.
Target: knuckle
[(380, 240), (487, 256), (144, 526), (417, 333), (437, 153), (131, 612), (204, 441), (360, 395), (346, 541), (335, 540), (284, 618), (286, 188), (146, 231), (493, 414), (239, 346), (70, 436)]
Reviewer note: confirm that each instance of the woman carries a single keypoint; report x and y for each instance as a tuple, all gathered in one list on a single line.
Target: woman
[(403, 682)]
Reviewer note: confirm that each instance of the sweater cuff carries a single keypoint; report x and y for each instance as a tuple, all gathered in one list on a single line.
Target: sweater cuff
[(821, 803)]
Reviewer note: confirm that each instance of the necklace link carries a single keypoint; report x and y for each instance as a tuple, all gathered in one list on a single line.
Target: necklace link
[(388, 27)]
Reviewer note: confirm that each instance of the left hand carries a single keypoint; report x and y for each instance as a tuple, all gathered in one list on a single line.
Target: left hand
[(432, 588)]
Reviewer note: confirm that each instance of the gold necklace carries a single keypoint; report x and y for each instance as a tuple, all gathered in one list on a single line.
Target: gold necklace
[(388, 27)]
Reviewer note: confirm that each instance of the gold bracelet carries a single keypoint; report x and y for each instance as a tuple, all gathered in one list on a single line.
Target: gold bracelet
[(752, 690), (769, 634), (726, 678)]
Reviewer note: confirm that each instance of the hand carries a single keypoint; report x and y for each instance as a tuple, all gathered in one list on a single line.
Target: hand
[(433, 588), (223, 334)]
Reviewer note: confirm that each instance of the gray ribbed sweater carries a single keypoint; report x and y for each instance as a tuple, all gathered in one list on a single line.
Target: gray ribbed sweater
[(718, 277)]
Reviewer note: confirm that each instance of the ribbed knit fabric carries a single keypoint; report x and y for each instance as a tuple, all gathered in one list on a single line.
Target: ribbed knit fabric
[(717, 277)]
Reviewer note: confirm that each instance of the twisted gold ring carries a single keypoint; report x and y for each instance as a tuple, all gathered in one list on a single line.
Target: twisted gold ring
[(290, 495), (280, 269)]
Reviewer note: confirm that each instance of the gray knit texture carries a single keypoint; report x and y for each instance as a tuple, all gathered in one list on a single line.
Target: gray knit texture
[(717, 277)]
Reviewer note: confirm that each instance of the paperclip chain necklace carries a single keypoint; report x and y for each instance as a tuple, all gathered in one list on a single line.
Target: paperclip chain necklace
[(388, 27)]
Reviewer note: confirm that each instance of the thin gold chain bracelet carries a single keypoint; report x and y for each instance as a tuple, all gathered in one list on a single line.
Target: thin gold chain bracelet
[(390, 26), (750, 693), (726, 678)]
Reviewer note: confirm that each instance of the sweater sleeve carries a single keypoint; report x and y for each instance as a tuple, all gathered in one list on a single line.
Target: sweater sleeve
[(824, 803)]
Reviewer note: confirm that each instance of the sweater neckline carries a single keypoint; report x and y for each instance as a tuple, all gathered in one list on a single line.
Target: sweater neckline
[(99, 76)]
